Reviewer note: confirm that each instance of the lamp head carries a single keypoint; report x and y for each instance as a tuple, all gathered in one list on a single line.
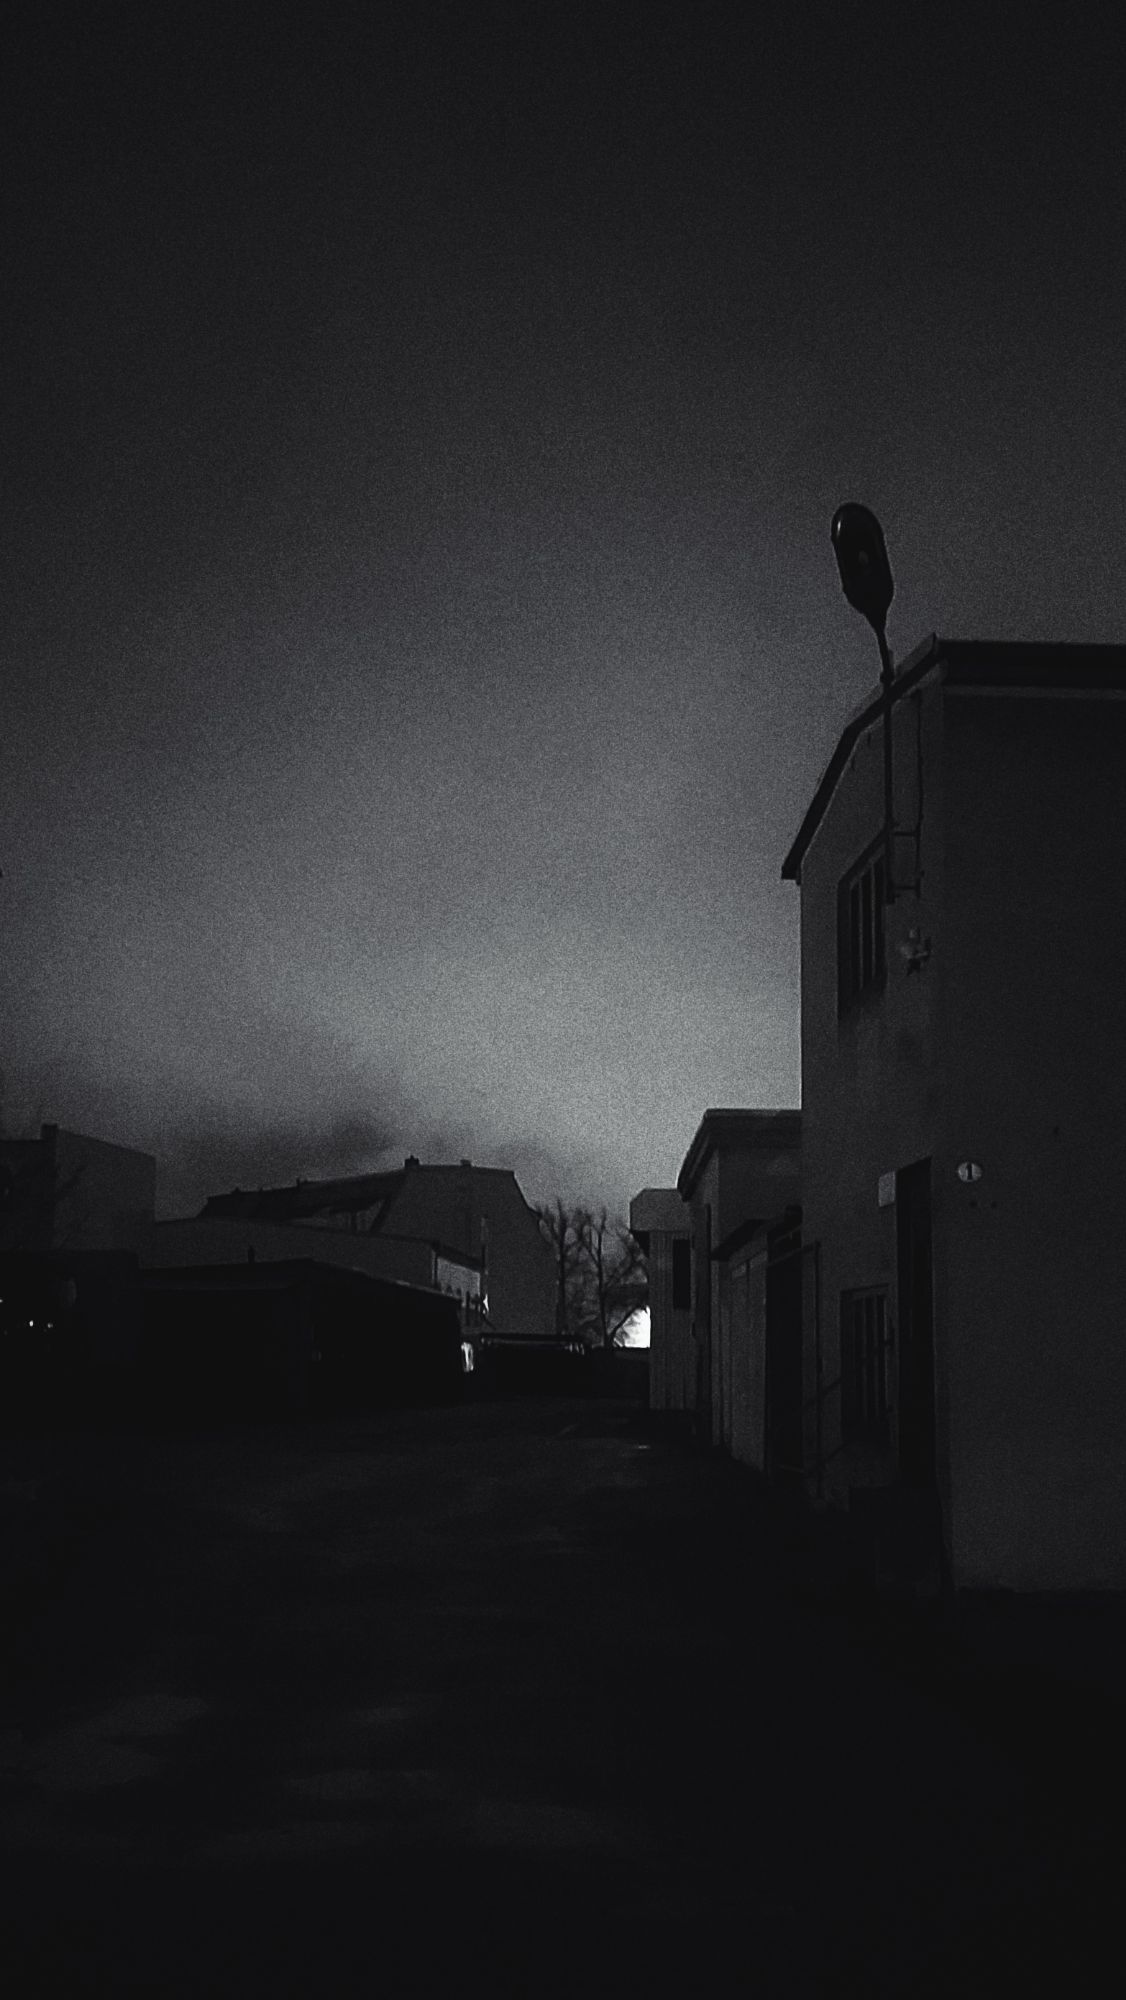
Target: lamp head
[(862, 559)]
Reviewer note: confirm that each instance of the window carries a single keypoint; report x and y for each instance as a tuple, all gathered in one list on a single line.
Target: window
[(864, 1366), (861, 960), (681, 1274)]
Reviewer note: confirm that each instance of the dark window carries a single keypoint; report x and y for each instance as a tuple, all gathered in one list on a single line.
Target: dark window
[(861, 959), (864, 1366), (681, 1274)]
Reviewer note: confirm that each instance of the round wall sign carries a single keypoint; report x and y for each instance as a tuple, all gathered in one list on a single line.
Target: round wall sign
[(969, 1170)]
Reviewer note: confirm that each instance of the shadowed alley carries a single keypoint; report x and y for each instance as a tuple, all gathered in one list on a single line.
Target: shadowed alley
[(517, 1695)]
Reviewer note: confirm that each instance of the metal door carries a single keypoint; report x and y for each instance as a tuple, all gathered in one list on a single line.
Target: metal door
[(915, 1330), (784, 1355)]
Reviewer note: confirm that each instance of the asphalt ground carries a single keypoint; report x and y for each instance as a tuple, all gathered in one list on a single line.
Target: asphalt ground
[(520, 1698)]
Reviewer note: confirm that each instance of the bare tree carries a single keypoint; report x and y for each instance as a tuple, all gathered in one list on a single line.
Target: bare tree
[(618, 1284), (601, 1279), (560, 1225)]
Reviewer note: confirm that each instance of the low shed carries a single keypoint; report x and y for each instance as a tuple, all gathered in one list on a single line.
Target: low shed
[(294, 1335)]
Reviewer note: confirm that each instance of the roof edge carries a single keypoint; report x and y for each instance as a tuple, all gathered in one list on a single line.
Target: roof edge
[(917, 663), (721, 1119), (1024, 662)]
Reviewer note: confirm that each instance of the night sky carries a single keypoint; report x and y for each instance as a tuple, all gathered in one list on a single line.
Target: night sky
[(422, 635)]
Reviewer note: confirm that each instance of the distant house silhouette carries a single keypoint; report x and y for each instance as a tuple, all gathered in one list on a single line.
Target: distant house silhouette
[(964, 1116), (67, 1192), (466, 1216), (74, 1212)]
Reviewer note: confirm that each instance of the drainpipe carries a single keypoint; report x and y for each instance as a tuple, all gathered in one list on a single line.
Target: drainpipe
[(886, 677), (819, 1370)]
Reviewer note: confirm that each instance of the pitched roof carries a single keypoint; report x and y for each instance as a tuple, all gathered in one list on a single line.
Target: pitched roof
[(1003, 664), (289, 1204), (348, 1195)]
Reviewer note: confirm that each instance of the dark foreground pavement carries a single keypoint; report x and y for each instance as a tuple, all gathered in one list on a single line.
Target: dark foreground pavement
[(514, 1699)]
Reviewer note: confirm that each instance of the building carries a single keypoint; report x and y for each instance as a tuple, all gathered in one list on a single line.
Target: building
[(65, 1192), (741, 1182), (460, 1217), (290, 1336), (662, 1225), (763, 1288), (964, 1116), (407, 1260)]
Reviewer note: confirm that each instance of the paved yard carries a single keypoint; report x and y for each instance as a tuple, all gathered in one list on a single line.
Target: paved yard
[(516, 1699)]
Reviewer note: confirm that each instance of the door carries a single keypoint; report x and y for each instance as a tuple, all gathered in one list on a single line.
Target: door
[(784, 1273), (702, 1321), (918, 1466)]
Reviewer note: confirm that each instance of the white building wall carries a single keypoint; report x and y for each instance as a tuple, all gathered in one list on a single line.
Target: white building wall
[(745, 1299), (1007, 1048), (1036, 1028), (872, 1082)]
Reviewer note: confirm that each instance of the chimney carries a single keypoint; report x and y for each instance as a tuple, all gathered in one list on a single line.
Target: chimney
[(412, 1160)]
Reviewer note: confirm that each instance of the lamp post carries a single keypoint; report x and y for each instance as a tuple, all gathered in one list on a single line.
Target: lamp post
[(866, 579)]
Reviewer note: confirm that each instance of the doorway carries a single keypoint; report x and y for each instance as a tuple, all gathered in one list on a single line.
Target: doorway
[(784, 1286), (918, 1461)]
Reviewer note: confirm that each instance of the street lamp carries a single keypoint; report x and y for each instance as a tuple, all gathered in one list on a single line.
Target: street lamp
[(866, 579)]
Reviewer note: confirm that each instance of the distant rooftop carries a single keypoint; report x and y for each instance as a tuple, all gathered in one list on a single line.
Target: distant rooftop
[(351, 1194), (346, 1196)]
